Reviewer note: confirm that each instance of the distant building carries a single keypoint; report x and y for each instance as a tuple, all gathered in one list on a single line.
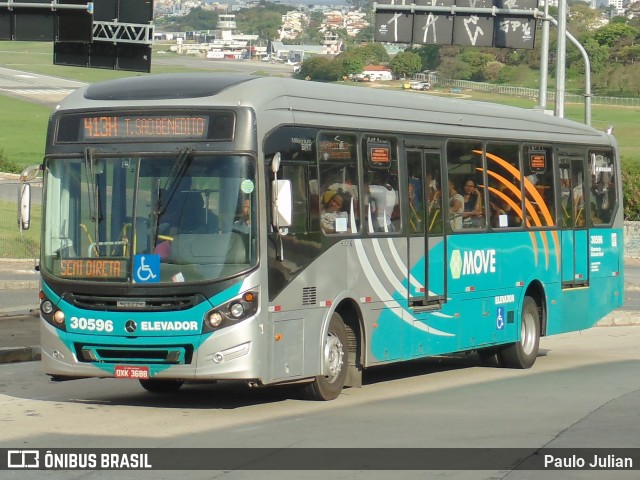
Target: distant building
[(377, 72)]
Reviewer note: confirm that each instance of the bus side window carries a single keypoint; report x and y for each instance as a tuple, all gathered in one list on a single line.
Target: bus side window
[(338, 193), (415, 190), (539, 185), (466, 204), (602, 196), (504, 178), (382, 201)]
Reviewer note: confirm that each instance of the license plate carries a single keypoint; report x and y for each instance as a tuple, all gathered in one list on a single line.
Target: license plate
[(129, 371)]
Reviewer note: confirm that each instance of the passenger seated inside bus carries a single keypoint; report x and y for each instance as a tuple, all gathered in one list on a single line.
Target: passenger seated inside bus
[(415, 206), (334, 218), (456, 207), (503, 214), (473, 215)]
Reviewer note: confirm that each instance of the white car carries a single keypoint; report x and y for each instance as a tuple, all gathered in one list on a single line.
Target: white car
[(420, 85)]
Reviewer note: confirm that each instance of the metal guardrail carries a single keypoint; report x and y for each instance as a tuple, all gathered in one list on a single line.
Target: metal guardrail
[(523, 91)]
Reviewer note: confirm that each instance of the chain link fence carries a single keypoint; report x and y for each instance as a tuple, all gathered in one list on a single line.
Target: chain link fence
[(19, 251)]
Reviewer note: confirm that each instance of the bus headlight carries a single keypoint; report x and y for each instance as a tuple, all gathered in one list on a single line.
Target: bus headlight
[(58, 317), (231, 312), (236, 310), (47, 307), (214, 319)]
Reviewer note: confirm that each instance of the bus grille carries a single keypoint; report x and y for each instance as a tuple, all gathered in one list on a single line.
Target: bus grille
[(157, 354), (134, 304)]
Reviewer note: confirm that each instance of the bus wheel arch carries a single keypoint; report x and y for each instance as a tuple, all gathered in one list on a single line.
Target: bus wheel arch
[(536, 291), (352, 318), (334, 358), (342, 345), (523, 352)]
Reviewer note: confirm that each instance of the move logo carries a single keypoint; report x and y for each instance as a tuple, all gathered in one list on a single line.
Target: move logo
[(473, 262)]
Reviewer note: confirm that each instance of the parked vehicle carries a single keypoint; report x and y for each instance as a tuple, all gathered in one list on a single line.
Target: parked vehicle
[(420, 86)]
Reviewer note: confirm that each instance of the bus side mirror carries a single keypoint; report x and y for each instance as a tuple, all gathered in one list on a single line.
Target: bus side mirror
[(282, 203), (24, 206)]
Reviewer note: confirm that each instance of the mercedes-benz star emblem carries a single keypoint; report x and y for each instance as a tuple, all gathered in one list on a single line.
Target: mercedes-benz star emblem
[(130, 326)]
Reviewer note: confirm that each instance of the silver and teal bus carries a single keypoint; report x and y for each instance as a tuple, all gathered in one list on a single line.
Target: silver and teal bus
[(205, 227)]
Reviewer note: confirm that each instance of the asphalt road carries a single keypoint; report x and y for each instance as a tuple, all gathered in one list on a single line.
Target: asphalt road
[(35, 87)]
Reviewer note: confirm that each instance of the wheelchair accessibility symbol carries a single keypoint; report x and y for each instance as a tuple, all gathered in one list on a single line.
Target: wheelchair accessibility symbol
[(500, 318), (146, 268)]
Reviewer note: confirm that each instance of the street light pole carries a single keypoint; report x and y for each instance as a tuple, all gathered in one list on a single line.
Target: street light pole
[(562, 59), (544, 59)]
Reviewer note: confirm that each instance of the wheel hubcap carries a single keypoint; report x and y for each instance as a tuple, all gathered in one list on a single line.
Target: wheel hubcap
[(528, 333), (333, 354)]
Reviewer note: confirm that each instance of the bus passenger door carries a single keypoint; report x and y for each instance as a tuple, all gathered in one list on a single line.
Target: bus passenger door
[(575, 254), (426, 254)]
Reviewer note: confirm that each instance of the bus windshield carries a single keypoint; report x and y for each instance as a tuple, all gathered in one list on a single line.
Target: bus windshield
[(148, 219)]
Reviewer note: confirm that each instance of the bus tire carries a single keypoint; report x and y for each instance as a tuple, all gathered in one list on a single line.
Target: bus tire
[(523, 353), (335, 359), (161, 386)]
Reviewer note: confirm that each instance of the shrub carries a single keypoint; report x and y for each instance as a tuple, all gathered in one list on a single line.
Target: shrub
[(7, 165)]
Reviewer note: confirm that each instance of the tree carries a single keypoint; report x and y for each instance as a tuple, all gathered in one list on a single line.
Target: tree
[(634, 78), (371, 54), (629, 54), (455, 68), (477, 60), (264, 20), (196, 19), (429, 55), (582, 18), (492, 71), (406, 63), (321, 68), (613, 33), (351, 64), (620, 78), (598, 56)]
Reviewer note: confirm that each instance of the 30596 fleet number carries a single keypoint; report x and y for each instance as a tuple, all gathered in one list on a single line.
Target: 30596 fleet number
[(91, 324)]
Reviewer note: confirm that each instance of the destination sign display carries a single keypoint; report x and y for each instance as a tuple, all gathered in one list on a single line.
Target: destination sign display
[(91, 268), (146, 127)]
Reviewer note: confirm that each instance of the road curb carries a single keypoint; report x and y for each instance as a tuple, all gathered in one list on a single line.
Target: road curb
[(19, 354)]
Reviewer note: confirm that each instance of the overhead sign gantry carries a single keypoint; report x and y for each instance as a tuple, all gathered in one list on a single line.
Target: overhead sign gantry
[(113, 34)]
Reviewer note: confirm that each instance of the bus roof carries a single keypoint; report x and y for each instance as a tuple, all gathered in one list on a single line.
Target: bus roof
[(290, 101)]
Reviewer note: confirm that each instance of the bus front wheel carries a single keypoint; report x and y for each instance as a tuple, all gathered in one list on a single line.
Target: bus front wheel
[(523, 353), (335, 358), (161, 386)]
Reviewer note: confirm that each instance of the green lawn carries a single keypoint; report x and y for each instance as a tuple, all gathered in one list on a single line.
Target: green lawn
[(12, 243), (23, 126)]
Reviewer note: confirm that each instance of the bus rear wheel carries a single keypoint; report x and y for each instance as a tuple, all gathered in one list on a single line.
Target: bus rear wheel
[(523, 353), (335, 358), (161, 386)]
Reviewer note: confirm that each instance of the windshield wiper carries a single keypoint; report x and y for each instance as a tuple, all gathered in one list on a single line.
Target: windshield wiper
[(93, 195), (92, 186), (173, 181)]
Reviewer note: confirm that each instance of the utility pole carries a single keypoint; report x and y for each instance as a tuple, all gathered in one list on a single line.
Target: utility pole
[(544, 59)]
